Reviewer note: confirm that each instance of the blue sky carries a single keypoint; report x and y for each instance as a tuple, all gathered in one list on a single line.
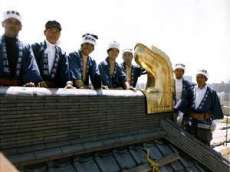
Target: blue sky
[(193, 32)]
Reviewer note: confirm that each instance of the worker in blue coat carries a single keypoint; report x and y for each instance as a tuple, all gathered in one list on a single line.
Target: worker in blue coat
[(82, 66), (132, 72), (183, 95), (51, 59), (17, 64), (205, 109), (113, 77)]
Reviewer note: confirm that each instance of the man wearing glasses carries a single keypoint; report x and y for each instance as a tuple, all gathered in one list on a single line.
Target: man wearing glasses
[(17, 64)]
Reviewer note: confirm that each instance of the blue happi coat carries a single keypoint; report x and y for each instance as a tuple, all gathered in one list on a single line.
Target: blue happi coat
[(26, 66), (209, 104), (76, 69), (186, 97), (59, 73), (136, 72), (112, 81)]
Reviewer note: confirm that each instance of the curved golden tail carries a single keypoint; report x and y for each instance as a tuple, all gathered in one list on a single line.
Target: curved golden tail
[(159, 88)]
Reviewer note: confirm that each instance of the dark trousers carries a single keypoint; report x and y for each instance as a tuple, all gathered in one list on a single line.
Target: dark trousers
[(204, 135)]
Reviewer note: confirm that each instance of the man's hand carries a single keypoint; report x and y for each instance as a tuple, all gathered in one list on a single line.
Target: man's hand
[(180, 118), (105, 87), (29, 84), (133, 89), (177, 104), (126, 85), (42, 84), (78, 83), (213, 126), (69, 85)]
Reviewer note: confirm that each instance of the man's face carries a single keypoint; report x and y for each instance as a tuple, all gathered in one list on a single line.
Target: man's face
[(127, 57), (201, 80), (12, 27), (52, 35), (179, 73), (113, 53), (87, 48)]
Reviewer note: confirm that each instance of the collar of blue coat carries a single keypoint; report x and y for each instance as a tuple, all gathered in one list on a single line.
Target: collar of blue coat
[(205, 87), (6, 67), (3, 37), (43, 46), (81, 64), (45, 71), (48, 44), (185, 84), (204, 99), (124, 65), (106, 61), (78, 55)]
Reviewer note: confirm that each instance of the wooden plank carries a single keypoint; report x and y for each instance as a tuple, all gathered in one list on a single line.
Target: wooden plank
[(197, 150), (140, 168), (6, 165), (168, 159), (162, 162)]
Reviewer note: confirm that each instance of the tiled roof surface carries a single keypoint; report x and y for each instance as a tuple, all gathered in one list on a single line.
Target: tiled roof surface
[(125, 158)]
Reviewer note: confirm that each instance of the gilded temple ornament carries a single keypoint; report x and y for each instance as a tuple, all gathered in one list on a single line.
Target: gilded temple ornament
[(159, 87)]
